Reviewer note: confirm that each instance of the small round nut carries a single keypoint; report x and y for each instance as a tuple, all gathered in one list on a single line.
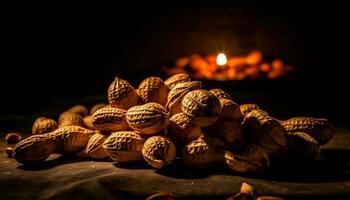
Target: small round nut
[(44, 125), (202, 106), (121, 94), (70, 119), (148, 119), (80, 110), (247, 108), (158, 151), (153, 89), (220, 94), (176, 79), (97, 107), (110, 119), (13, 138)]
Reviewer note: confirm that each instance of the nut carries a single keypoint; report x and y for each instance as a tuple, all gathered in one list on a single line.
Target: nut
[(153, 89), (320, 129), (302, 145), (80, 110), (181, 129), (249, 190), (124, 146), (158, 151), (96, 107), (176, 95), (172, 81), (220, 94), (149, 118), (265, 131), (70, 119), (13, 138), (9, 152), (110, 119), (250, 158), (88, 122), (201, 153), (227, 130), (202, 106), (230, 110), (43, 125), (94, 147), (121, 94), (247, 108)]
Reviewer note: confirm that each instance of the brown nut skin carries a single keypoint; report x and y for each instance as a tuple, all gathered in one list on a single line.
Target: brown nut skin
[(220, 94), (80, 110), (172, 81), (13, 138), (202, 106), (124, 146), (303, 146), (153, 89), (70, 119), (158, 151), (247, 108), (121, 94), (94, 148), (110, 119), (44, 125), (320, 129), (266, 132), (96, 107), (176, 95), (148, 119)]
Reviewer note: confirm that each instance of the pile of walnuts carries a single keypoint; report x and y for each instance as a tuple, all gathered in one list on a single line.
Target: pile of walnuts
[(162, 120)]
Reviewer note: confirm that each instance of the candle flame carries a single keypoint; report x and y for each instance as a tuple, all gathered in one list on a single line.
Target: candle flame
[(221, 59)]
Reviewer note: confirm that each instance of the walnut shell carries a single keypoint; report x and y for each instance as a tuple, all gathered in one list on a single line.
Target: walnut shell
[(149, 118), (302, 145), (153, 89), (96, 107), (320, 129), (34, 148), (265, 131), (202, 106), (172, 81), (247, 108), (201, 153), (124, 146), (43, 125), (110, 119), (70, 119), (176, 95), (251, 158), (94, 147), (80, 110), (220, 94), (230, 110), (158, 151), (121, 94)]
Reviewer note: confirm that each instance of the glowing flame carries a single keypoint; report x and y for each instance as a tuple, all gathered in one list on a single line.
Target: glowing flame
[(221, 59)]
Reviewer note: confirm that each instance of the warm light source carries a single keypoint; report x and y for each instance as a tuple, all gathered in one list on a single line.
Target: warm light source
[(221, 59)]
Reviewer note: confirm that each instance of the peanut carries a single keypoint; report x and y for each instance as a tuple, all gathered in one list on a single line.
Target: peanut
[(121, 94), (220, 94), (181, 129), (96, 107), (153, 89), (110, 119), (176, 79), (228, 131), (80, 110), (230, 110), (43, 125), (247, 108), (94, 147), (70, 119), (158, 151), (88, 122)]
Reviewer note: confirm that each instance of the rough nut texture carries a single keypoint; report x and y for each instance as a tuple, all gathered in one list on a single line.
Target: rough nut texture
[(96, 107), (149, 118), (303, 146), (158, 151), (180, 128), (80, 110), (228, 131), (202, 106), (71, 139), (124, 146), (94, 147), (176, 79), (121, 94), (110, 119), (44, 125), (34, 148), (70, 119), (265, 131), (251, 158), (230, 110), (247, 108), (153, 89), (320, 129), (176, 95), (220, 94)]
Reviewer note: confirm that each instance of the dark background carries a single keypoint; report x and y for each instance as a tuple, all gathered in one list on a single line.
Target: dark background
[(68, 51)]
